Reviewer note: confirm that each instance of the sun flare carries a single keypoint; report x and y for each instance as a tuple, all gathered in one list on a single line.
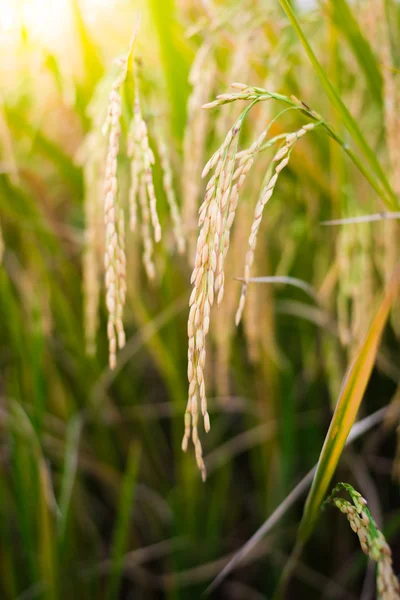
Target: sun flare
[(44, 20)]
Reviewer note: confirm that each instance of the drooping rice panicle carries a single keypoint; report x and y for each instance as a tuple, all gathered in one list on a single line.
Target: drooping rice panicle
[(280, 161), (114, 258), (104, 234), (142, 159), (134, 184), (227, 98), (147, 158), (216, 217), (207, 280), (145, 229), (224, 327), (114, 219), (372, 541), (170, 193)]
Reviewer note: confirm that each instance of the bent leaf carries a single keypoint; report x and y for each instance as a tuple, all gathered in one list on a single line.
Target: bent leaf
[(387, 194), (346, 410)]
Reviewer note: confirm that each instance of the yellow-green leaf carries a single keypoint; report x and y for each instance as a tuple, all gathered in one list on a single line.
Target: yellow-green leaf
[(353, 389)]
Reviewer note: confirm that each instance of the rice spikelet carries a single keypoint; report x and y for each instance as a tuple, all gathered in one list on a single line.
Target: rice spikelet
[(216, 217), (170, 193), (114, 257), (280, 161), (142, 159), (372, 541), (208, 280)]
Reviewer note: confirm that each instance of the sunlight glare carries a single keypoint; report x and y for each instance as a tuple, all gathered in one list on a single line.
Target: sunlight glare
[(44, 20)]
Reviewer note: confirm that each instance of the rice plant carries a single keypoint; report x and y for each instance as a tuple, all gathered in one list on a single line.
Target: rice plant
[(199, 251)]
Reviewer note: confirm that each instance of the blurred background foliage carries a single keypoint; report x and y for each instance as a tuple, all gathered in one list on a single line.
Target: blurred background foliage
[(96, 498)]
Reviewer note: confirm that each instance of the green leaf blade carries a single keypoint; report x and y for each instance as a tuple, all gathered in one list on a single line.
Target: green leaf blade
[(346, 410)]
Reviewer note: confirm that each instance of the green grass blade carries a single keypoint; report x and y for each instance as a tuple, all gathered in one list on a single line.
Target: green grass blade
[(348, 120), (174, 55), (43, 501), (90, 54), (344, 20), (42, 145), (346, 410), (122, 527), (283, 279), (358, 430), (69, 474)]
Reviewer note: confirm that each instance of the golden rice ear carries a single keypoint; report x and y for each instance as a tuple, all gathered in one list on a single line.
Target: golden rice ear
[(114, 257), (141, 165), (216, 217), (372, 540), (142, 206), (208, 274), (145, 230), (280, 161)]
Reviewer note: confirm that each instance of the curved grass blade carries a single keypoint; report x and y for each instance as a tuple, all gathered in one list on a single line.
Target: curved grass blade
[(175, 57), (69, 473), (346, 410), (357, 430), (343, 18), (294, 281), (90, 54), (122, 527), (388, 195), (364, 219), (39, 500)]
